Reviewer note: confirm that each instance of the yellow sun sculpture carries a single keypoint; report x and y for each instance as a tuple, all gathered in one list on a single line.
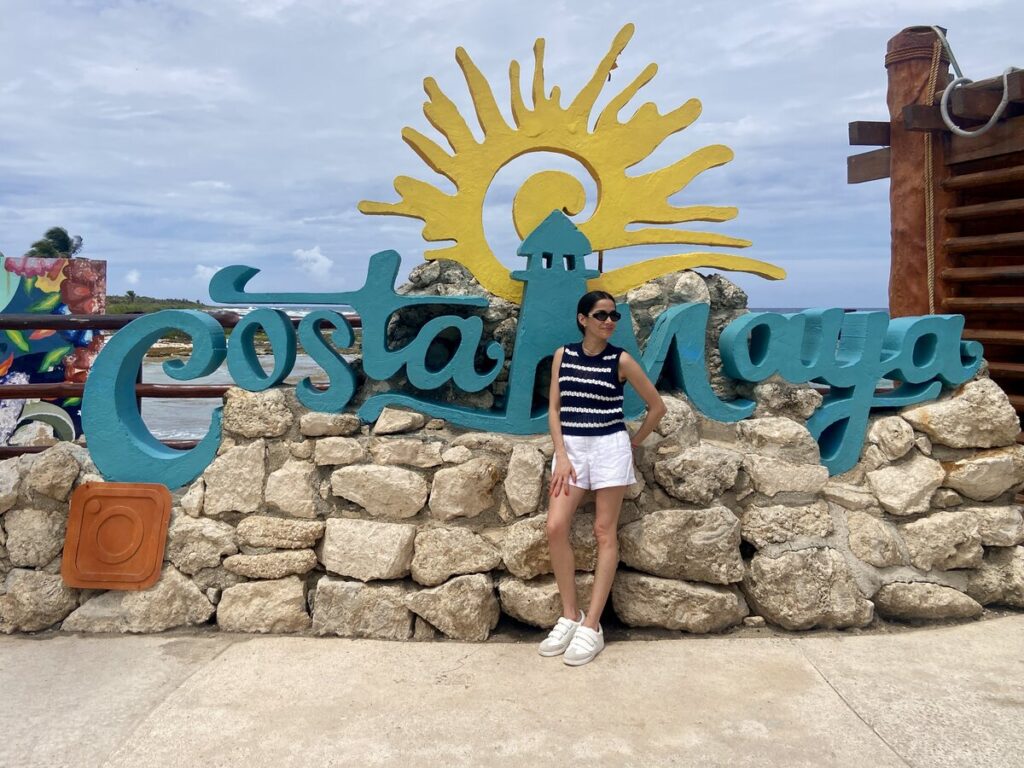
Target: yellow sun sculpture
[(606, 152)]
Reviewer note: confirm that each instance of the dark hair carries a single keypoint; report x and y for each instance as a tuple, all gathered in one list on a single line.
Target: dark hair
[(587, 303)]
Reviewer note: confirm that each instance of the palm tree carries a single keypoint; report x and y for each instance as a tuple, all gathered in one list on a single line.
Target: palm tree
[(56, 244)]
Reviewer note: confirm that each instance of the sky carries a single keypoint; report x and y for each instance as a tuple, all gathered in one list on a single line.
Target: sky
[(181, 136)]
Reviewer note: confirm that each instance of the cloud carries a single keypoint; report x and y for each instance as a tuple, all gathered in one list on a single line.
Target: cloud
[(132, 277), (313, 262), (205, 273)]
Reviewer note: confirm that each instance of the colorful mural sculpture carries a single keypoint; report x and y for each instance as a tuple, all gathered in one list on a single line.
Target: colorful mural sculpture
[(58, 287), (850, 352)]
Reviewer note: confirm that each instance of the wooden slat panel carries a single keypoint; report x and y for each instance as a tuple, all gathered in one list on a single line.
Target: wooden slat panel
[(985, 210), (1017, 401), (1003, 138), (867, 133), (1006, 370), (978, 274), (985, 178), (986, 336), (983, 303), (984, 242), (868, 166)]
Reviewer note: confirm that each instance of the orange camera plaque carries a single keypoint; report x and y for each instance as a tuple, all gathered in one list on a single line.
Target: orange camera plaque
[(116, 535)]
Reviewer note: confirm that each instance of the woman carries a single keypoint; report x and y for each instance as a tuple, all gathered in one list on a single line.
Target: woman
[(593, 451)]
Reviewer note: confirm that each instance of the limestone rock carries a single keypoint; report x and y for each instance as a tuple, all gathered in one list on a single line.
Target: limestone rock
[(874, 541), (192, 500), (34, 536), (234, 480), (1001, 526), (999, 579), (484, 441), (906, 488), (779, 523), (848, 496), (944, 540), (408, 451), (775, 397), (393, 421), (174, 601), (524, 545), (317, 424), (34, 600), (302, 449), (647, 601), (272, 565), (10, 483), (367, 549), (987, 475), (536, 601), (264, 606), (354, 609), (290, 489), (978, 415), (464, 490), (33, 433), (197, 543), (772, 476), (524, 479), (280, 534), (464, 608), (440, 553), (699, 474), (920, 601), (944, 498), (457, 455), (679, 423), (390, 492), (893, 435), (779, 437), (337, 451), (805, 589), (693, 544), (216, 579), (54, 472), (256, 414)]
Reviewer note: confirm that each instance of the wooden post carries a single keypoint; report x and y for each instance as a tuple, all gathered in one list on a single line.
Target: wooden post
[(908, 61)]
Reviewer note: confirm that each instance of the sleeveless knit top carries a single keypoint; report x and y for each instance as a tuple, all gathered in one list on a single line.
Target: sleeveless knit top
[(590, 391)]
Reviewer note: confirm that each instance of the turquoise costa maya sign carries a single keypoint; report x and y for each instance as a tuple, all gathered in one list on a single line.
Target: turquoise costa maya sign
[(849, 352)]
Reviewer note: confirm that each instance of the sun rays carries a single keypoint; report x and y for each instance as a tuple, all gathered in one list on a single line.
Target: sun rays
[(607, 151)]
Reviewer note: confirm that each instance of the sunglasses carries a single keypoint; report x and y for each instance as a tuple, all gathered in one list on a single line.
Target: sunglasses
[(601, 316)]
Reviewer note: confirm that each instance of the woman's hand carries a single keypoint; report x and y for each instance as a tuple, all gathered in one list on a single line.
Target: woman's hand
[(561, 475)]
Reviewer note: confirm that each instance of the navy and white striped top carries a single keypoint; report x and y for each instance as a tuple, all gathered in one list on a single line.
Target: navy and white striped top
[(590, 391)]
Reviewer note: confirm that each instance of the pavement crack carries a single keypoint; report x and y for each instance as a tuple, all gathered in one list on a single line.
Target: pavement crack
[(901, 758)]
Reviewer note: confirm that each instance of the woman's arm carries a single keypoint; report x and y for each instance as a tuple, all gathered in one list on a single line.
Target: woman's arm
[(636, 376), (563, 470)]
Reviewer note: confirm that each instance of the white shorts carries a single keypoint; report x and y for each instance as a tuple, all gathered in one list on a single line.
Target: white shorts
[(600, 461)]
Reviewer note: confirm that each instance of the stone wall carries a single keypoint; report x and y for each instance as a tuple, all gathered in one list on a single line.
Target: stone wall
[(408, 528)]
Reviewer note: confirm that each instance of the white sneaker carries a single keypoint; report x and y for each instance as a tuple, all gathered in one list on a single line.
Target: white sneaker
[(560, 636), (585, 645)]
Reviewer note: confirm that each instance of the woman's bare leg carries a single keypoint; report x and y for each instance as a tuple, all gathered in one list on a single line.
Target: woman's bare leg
[(560, 513), (606, 523)]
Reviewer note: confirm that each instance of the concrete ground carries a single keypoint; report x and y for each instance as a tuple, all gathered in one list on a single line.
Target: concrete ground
[(947, 696)]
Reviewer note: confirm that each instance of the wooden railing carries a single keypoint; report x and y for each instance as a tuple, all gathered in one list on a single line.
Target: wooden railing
[(33, 321)]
